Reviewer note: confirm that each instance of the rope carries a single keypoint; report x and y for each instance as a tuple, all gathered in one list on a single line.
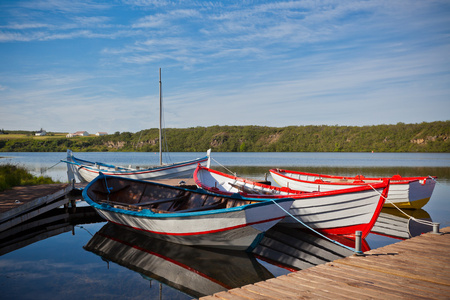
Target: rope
[(425, 222), (434, 179), (231, 172), (79, 226), (313, 230), (45, 170), (108, 189)]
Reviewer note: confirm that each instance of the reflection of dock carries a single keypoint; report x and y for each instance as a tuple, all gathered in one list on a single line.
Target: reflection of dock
[(412, 269), (48, 224)]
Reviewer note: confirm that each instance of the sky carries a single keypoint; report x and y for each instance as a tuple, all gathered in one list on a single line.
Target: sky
[(68, 65)]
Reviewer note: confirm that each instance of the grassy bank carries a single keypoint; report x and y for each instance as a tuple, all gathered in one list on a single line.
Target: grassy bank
[(423, 137), (11, 176)]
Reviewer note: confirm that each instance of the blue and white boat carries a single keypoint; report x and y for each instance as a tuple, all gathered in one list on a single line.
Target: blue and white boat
[(86, 170), (185, 216)]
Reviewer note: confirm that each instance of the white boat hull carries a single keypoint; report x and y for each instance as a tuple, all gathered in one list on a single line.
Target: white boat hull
[(403, 194), (236, 230), (337, 213)]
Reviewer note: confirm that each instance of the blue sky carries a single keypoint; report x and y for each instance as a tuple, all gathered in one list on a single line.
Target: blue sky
[(70, 65)]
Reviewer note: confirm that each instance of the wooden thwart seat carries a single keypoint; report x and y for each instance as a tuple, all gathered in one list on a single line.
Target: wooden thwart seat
[(152, 202), (193, 209), (103, 192)]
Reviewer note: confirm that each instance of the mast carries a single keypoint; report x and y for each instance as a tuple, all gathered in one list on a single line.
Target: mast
[(160, 118)]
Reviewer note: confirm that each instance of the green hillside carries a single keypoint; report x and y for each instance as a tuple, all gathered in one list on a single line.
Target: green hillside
[(423, 137)]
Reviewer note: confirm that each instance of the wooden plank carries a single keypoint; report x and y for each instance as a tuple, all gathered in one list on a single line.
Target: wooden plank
[(273, 285), (430, 249), (401, 260), (421, 246), (427, 287), (409, 261), (283, 284), (395, 270), (319, 289), (424, 245), (267, 292), (31, 214), (248, 294), (331, 288), (335, 286), (374, 283), (405, 260), (29, 198), (340, 286), (433, 261), (226, 296), (309, 290), (433, 251)]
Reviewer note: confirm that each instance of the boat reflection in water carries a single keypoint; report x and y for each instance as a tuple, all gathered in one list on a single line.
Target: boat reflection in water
[(194, 271), (298, 249), (199, 272), (395, 224)]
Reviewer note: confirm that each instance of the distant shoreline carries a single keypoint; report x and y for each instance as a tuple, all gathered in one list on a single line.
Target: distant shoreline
[(431, 137)]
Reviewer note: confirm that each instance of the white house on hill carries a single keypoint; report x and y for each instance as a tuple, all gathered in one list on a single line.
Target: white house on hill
[(78, 133), (101, 133), (41, 132)]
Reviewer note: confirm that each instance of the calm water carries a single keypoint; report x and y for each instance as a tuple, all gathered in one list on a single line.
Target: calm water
[(78, 256)]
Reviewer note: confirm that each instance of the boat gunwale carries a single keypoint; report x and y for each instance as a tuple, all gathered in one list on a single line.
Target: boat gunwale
[(359, 179), (126, 171), (298, 196), (148, 213)]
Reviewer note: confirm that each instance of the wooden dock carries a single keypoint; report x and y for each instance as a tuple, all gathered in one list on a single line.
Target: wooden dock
[(418, 268), (22, 203)]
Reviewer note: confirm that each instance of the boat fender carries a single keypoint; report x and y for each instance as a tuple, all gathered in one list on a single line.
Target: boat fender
[(318, 181)]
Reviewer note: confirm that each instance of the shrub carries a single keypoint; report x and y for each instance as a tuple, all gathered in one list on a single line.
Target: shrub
[(11, 175)]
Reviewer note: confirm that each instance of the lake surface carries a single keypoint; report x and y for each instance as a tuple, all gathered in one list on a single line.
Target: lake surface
[(79, 256)]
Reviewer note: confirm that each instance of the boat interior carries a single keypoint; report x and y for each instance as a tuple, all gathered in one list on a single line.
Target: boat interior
[(138, 195)]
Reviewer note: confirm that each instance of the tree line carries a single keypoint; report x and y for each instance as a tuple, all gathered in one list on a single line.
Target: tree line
[(421, 137)]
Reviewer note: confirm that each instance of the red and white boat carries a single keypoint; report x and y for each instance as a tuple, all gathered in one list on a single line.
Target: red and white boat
[(333, 212), (404, 192)]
